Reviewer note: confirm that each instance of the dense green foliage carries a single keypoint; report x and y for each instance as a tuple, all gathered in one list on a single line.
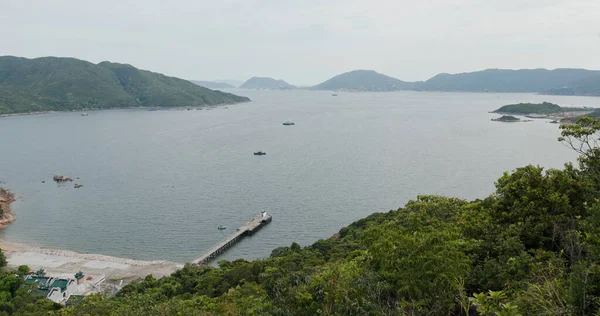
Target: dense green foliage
[(535, 108), (530, 248), (266, 83), (364, 80), (64, 84), (16, 298)]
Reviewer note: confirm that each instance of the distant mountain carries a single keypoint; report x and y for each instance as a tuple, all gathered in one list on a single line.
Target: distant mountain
[(212, 84), (504, 80), (64, 84), (235, 83), (365, 80), (587, 86), (266, 83)]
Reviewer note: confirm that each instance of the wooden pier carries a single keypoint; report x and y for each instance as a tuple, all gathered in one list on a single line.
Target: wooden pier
[(247, 229)]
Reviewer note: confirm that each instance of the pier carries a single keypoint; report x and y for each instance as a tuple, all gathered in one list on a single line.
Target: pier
[(247, 229)]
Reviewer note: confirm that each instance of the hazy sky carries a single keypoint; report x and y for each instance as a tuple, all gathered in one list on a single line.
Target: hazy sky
[(307, 41)]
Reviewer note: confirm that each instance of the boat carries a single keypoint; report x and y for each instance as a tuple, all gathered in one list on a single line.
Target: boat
[(260, 153), (84, 114), (288, 123), (221, 227), (334, 95)]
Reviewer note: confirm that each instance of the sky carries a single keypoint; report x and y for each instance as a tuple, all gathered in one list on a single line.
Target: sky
[(306, 42)]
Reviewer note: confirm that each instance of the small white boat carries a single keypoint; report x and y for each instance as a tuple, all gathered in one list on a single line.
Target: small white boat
[(84, 114)]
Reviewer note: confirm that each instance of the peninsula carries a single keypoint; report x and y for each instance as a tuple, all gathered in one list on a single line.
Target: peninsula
[(69, 84)]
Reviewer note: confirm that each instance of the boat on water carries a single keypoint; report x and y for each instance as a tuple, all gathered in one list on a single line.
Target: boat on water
[(260, 153), (221, 227), (289, 123), (334, 95), (84, 114)]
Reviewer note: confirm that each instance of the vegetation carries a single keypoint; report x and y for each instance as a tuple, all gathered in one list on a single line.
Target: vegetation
[(530, 248), (364, 80), (507, 118), (545, 108), (266, 83), (64, 84)]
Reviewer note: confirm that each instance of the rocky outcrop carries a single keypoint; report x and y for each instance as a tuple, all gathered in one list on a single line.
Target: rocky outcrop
[(62, 178), (6, 216)]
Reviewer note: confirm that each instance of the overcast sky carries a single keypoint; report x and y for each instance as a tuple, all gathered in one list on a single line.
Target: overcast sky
[(307, 41)]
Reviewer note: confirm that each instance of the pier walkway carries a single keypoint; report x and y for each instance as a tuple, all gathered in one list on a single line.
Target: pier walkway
[(247, 229)]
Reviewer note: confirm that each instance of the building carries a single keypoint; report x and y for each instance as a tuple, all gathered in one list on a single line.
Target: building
[(55, 289)]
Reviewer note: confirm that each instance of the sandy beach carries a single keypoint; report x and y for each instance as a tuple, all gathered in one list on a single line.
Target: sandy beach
[(61, 262)]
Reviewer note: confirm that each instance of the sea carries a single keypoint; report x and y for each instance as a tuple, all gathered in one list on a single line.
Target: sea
[(157, 184)]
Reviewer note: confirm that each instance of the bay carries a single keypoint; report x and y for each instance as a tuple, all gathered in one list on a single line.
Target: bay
[(156, 184)]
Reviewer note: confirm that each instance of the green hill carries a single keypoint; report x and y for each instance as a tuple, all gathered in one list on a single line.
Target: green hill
[(506, 80), (544, 108), (64, 84), (530, 108), (364, 80), (266, 83)]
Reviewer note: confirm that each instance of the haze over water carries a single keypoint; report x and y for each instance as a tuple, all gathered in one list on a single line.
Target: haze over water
[(157, 184)]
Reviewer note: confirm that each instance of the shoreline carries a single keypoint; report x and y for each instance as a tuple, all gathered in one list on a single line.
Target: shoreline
[(6, 198), (159, 108), (56, 261), (59, 262)]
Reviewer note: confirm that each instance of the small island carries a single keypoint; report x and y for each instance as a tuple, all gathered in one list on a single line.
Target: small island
[(509, 119), (541, 110)]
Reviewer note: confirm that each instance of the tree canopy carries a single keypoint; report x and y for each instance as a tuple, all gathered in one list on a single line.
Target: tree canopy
[(65, 84)]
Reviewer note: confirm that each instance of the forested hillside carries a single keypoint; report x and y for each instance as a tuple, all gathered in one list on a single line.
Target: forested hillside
[(65, 84), (530, 248)]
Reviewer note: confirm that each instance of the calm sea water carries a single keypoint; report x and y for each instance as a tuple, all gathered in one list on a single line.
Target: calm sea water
[(157, 184)]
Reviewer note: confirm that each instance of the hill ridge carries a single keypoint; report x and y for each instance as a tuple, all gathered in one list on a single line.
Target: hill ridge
[(66, 84)]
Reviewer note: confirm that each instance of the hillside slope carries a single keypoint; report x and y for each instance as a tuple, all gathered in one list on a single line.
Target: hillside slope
[(213, 84), (587, 86), (64, 84), (506, 80)]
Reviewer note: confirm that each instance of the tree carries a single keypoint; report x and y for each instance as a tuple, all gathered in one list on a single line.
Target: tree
[(3, 262), (583, 137)]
